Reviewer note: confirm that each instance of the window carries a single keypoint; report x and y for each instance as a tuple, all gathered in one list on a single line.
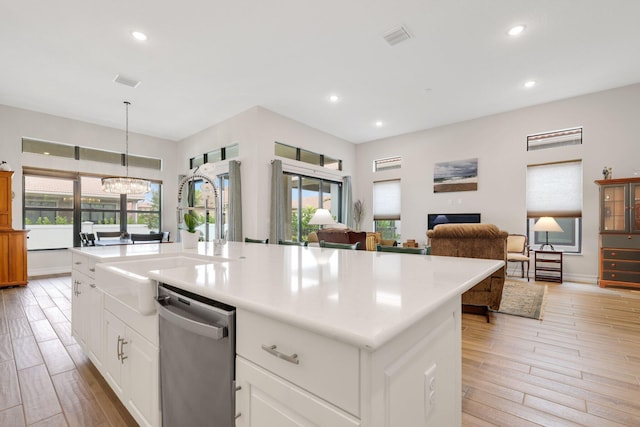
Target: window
[(555, 190), (558, 138), (217, 155), (306, 156), (49, 211), (387, 164), (386, 208), (59, 205), (304, 195), (83, 153), (201, 200)]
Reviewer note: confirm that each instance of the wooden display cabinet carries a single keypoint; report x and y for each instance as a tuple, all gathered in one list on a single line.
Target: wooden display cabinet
[(619, 232), (13, 243)]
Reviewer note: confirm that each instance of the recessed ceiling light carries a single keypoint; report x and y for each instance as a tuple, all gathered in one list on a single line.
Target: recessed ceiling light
[(334, 98), (379, 123), (139, 36), (516, 30), (529, 84)]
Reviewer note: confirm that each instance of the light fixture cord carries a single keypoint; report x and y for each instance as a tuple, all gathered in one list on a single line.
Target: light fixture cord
[(126, 139)]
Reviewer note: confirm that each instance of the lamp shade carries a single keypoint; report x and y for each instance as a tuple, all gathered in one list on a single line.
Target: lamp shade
[(547, 223), (322, 217)]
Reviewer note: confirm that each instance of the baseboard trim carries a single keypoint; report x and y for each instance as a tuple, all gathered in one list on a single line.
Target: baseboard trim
[(57, 271)]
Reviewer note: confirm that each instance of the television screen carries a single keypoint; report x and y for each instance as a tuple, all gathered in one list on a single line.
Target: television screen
[(435, 219)]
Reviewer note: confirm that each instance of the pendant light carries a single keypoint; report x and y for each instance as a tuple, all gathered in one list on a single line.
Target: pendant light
[(126, 185)]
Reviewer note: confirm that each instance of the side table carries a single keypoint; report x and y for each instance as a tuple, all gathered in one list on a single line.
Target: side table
[(548, 266)]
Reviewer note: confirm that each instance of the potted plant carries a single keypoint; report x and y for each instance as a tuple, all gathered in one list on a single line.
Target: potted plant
[(189, 235)]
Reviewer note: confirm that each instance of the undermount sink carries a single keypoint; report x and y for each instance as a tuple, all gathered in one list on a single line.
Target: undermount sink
[(128, 281)]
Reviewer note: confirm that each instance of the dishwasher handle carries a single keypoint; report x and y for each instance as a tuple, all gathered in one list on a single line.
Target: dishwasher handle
[(171, 314)]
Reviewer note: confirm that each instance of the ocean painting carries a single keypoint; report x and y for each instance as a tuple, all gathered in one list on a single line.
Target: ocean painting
[(459, 175)]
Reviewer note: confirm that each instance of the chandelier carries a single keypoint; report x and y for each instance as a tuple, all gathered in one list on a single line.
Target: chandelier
[(125, 184)]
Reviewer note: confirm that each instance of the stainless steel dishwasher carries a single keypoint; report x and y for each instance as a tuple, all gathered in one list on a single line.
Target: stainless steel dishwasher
[(197, 359)]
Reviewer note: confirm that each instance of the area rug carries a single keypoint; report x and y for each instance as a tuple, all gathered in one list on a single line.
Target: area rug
[(525, 299)]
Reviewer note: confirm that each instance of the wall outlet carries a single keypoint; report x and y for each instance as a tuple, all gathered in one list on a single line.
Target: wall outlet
[(429, 390)]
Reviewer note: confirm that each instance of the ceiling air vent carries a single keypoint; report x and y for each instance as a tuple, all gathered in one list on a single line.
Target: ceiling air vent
[(126, 81), (397, 35)]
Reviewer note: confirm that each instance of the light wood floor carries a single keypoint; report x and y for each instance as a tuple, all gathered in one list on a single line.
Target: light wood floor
[(580, 365), (45, 379)]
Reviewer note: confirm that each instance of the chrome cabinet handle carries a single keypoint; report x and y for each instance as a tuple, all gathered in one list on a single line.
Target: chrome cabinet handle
[(271, 349), (77, 262), (118, 347), (93, 270), (93, 285), (122, 356)]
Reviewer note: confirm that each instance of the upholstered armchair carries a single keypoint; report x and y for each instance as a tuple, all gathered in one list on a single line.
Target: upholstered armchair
[(474, 241)]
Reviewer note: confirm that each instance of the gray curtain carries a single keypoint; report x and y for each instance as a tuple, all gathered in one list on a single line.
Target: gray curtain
[(234, 233), (347, 203), (277, 226)]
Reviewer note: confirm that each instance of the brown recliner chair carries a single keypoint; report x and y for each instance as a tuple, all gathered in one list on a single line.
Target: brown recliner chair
[(474, 241)]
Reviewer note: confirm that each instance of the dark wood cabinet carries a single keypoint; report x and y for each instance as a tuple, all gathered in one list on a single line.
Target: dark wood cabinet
[(548, 266), (619, 232), (13, 243)]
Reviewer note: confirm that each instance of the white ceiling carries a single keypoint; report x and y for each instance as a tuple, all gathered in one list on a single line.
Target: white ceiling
[(207, 60)]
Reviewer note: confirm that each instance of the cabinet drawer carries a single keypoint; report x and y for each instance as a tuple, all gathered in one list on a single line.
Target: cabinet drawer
[(621, 276), (84, 264), (616, 265), (625, 241), (327, 368), (615, 254), (268, 400)]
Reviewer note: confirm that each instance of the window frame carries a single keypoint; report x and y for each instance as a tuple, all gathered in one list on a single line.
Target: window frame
[(77, 209)]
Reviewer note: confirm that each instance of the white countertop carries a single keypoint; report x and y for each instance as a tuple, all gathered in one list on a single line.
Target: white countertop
[(360, 297)]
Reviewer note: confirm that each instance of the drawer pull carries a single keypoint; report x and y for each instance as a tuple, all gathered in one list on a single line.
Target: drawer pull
[(272, 350), (93, 270), (613, 265), (93, 285), (77, 262), (613, 275), (614, 253)]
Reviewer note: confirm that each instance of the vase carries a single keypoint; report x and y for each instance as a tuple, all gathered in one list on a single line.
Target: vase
[(189, 240)]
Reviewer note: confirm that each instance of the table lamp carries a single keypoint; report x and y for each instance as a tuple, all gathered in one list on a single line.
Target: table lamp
[(322, 217), (547, 224)]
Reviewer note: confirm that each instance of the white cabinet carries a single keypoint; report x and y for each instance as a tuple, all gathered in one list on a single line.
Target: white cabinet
[(309, 379), (131, 369), (266, 400), (86, 313)]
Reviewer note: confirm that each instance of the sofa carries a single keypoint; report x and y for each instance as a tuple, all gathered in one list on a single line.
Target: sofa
[(474, 241), (368, 240)]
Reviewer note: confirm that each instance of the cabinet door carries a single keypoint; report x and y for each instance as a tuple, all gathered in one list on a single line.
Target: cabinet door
[(114, 333), (141, 378), (614, 204), (4, 258), (79, 285), (93, 319), (5, 199), (634, 191), (266, 400)]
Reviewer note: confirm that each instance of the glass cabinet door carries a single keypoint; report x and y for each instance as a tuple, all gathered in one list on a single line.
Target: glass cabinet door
[(614, 213), (635, 208)]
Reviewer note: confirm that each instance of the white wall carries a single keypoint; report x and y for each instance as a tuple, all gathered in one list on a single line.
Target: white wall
[(256, 130), (610, 138), (17, 123)]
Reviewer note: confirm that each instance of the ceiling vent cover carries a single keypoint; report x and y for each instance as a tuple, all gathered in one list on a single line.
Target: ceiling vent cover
[(126, 81), (397, 35)]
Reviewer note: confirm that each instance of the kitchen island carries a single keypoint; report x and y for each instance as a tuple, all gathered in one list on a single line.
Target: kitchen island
[(377, 335)]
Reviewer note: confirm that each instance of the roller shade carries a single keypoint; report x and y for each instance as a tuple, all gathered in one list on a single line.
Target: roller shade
[(386, 200), (555, 190)]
